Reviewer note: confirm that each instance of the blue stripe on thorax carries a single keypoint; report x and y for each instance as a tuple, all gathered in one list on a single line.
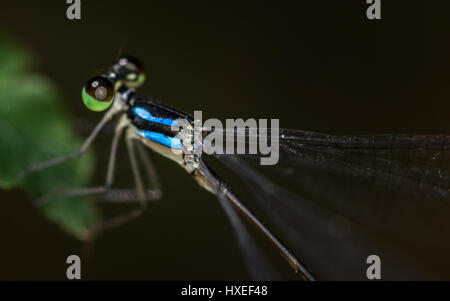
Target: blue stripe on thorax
[(145, 114), (172, 142)]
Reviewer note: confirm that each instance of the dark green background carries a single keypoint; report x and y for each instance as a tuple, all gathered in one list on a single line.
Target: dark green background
[(315, 65)]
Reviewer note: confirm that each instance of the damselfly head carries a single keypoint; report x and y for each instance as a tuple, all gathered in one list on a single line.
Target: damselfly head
[(98, 94), (130, 71)]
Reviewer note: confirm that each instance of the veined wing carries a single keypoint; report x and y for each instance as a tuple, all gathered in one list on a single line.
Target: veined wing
[(418, 164), (333, 217)]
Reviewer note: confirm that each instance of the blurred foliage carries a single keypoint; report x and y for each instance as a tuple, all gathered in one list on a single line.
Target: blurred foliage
[(34, 127)]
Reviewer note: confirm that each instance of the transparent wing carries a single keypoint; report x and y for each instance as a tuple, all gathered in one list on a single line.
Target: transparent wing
[(413, 163), (335, 200), (417, 164)]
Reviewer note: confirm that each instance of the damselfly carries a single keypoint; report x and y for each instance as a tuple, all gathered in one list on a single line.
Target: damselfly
[(416, 164)]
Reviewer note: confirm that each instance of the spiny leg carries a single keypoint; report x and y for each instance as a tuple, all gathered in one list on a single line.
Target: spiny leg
[(58, 160), (141, 193), (134, 166), (151, 170), (152, 193), (109, 174), (118, 195), (126, 195)]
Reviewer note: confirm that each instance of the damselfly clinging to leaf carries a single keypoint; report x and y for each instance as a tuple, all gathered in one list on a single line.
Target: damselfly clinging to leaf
[(415, 164)]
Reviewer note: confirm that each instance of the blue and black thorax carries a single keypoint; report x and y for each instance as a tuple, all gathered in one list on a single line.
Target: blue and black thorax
[(154, 121)]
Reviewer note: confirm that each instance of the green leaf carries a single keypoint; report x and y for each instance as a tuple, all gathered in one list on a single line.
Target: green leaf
[(33, 128)]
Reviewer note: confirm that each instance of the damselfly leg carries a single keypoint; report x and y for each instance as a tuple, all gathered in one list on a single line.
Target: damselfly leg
[(153, 192), (106, 192), (42, 165), (91, 190), (140, 194)]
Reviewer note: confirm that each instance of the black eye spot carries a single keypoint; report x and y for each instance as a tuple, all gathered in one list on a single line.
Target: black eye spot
[(100, 88)]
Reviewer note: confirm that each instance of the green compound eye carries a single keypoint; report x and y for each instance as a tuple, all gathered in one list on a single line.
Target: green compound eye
[(98, 94)]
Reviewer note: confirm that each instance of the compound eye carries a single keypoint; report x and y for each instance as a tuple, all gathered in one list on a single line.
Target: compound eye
[(134, 75), (98, 94)]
